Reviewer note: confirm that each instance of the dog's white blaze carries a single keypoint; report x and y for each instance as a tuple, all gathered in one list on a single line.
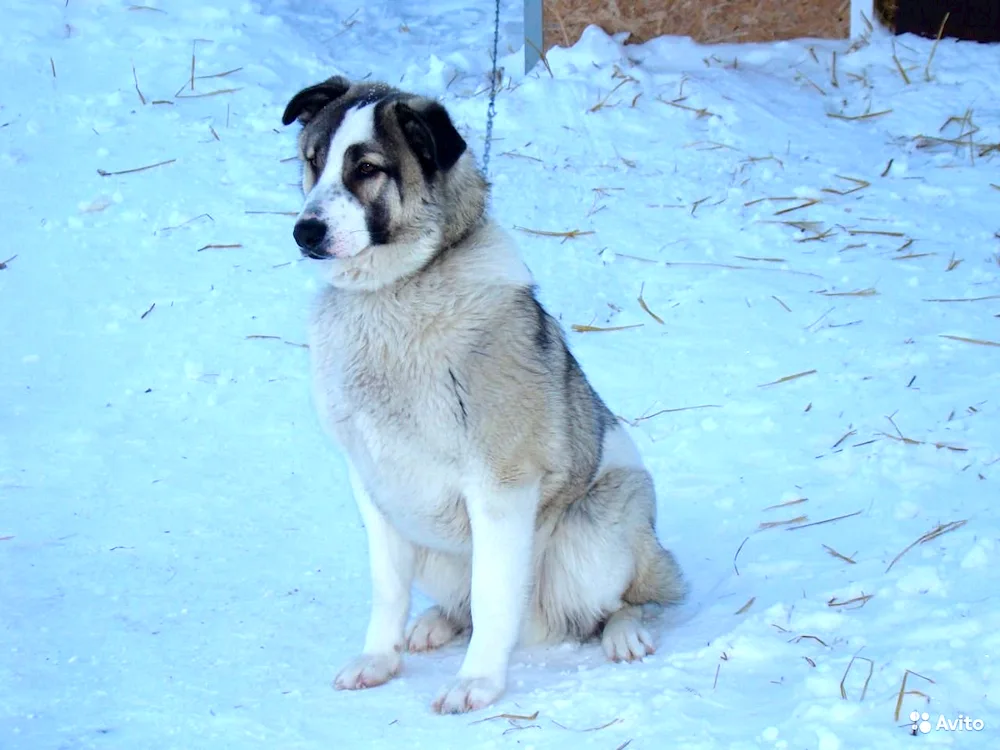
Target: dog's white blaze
[(330, 201)]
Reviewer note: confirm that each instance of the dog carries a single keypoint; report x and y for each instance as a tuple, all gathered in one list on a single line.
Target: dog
[(486, 469)]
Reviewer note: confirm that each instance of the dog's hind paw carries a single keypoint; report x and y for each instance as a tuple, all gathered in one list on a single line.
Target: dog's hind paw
[(625, 639), (368, 670), (431, 630)]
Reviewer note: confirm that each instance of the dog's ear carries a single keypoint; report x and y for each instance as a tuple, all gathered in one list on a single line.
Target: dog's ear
[(307, 103), (431, 135)]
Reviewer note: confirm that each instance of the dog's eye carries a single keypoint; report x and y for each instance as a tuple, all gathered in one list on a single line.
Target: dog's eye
[(313, 162), (367, 169)]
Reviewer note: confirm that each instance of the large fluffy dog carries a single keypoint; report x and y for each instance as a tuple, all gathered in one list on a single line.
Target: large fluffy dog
[(485, 467)]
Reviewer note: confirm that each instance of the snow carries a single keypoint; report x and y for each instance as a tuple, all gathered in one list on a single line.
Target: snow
[(181, 563)]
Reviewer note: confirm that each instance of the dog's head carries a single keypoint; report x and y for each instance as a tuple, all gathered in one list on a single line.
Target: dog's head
[(388, 181)]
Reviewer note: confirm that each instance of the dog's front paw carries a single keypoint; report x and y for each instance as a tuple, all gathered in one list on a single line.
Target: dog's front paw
[(468, 694), (431, 630), (368, 670)]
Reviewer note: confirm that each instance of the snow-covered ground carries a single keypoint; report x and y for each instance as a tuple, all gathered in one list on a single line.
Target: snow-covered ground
[(181, 563)]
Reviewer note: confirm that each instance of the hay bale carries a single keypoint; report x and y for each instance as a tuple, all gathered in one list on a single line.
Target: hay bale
[(706, 22)]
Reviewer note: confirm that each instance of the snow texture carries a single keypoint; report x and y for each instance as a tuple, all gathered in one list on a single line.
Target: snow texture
[(181, 562)]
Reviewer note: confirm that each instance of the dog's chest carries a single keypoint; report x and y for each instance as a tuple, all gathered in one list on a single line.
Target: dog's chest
[(392, 379), (391, 394)]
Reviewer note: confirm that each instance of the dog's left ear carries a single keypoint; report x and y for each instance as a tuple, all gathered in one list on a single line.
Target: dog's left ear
[(432, 136), (307, 103)]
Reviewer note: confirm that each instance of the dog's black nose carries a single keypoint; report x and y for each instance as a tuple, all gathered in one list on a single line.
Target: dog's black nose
[(309, 235)]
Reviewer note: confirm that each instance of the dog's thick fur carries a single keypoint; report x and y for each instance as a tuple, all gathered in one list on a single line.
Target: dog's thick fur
[(485, 467)]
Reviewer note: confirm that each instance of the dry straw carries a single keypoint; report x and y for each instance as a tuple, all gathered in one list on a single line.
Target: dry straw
[(580, 328), (189, 221), (508, 717), (967, 340), (856, 603), (231, 246), (864, 688), (825, 521), (738, 550), (869, 292), (965, 299), (865, 116), (833, 553), (644, 417), (645, 307), (899, 66), (764, 525), (572, 234), (930, 57), (135, 78), (785, 504), (859, 184), (846, 435), (604, 100), (598, 728), (903, 691), (787, 378), (817, 639), (761, 260), (103, 173), (934, 533)]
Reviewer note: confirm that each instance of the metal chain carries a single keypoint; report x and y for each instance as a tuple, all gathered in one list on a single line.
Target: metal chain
[(492, 109)]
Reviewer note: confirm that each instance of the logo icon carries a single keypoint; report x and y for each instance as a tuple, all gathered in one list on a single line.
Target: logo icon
[(921, 722)]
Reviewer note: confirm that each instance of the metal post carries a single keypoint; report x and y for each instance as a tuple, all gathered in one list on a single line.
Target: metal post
[(532, 33)]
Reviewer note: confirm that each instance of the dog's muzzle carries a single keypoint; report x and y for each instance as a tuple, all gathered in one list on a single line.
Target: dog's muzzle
[(309, 235)]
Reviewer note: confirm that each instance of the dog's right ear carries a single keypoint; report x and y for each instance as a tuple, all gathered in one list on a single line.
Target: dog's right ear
[(308, 102)]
